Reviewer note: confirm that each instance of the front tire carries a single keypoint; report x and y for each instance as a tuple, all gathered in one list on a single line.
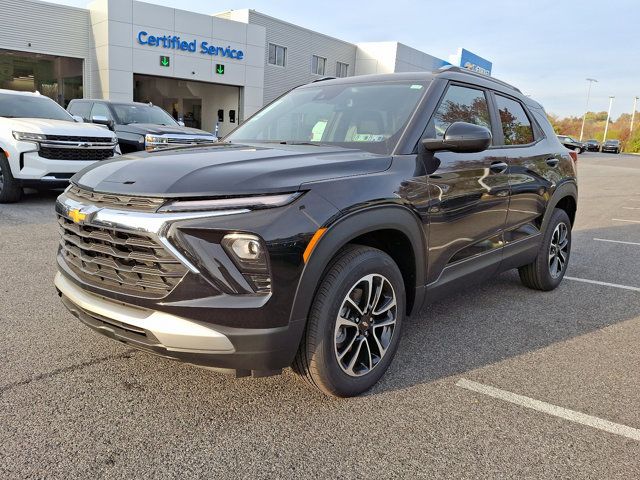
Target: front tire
[(10, 188), (354, 323), (548, 269)]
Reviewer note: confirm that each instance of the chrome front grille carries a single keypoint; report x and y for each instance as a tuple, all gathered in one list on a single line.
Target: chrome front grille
[(190, 140), (115, 201), (81, 154), (71, 147), (119, 261)]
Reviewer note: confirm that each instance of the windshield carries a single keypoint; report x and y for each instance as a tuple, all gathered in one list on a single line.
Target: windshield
[(27, 106), (127, 114), (369, 116)]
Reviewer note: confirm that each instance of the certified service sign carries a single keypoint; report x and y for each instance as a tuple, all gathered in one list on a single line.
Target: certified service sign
[(176, 43), (473, 62)]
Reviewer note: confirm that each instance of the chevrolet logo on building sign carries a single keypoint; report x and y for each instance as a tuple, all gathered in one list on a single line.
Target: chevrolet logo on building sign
[(76, 215)]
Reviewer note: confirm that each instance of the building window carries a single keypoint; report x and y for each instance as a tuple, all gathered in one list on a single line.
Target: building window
[(277, 55), (342, 69), (59, 78), (318, 65)]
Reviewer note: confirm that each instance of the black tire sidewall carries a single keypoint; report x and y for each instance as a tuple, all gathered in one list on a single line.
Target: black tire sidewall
[(11, 191), (542, 262), (370, 261)]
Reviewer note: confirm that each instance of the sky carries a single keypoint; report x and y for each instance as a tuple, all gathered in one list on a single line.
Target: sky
[(546, 48)]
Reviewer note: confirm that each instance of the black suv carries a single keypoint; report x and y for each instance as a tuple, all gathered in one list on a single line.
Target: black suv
[(572, 144), (139, 126), (309, 236), (611, 146), (592, 145)]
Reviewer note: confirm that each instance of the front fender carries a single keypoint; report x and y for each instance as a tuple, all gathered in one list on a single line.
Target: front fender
[(345, 229)]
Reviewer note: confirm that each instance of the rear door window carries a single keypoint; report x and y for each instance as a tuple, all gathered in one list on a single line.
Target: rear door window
[(460, 104), (516, 125)]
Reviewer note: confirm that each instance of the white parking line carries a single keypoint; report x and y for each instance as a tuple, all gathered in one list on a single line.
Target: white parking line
[(623, 220), (615, 241), (606, 284), (548, 408)]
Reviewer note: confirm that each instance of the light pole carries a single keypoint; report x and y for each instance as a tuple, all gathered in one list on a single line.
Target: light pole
[(606, 125), (584, 117), (633, 112)]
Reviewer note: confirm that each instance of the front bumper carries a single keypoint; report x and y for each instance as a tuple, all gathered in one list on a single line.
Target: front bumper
[(245, 351), (29, 166)]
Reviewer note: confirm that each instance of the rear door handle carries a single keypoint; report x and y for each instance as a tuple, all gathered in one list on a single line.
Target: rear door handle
[(553, 162), (498, 167)]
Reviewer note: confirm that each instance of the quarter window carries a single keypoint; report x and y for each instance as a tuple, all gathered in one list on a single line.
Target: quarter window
[(318, 65), (460, 104), (277, 55), (516, 126), (81, 109), (342, 69)]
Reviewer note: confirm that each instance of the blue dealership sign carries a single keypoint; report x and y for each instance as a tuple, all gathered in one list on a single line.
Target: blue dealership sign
[(473, 62), (175, 43)]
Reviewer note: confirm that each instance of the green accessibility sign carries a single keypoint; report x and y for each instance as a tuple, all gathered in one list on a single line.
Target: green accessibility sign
[(164, 61), (220, 69)]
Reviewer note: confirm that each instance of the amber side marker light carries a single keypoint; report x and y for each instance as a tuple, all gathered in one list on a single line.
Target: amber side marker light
[(312, 244)]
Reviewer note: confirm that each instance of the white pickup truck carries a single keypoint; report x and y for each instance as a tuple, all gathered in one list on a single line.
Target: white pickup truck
[(42, 146)]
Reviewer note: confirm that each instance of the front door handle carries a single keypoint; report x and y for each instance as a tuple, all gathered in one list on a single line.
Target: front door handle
[(553, 162), (498, 167)]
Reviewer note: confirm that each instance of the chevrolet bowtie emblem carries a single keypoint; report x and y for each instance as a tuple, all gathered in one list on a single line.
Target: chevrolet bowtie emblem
[(77, 216)]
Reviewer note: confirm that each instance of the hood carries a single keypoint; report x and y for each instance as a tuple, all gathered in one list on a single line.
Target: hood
[(226, 170), (144, 128), (58, 127)]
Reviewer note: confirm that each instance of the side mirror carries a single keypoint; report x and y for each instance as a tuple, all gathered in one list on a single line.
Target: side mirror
[(100, 120), (181, 123), (461, 137), (78, 118)]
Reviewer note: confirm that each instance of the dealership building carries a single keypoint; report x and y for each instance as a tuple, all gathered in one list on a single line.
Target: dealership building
[(205, 69)]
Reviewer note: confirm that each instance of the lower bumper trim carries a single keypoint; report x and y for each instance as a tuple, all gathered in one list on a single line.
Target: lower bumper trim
[(153, 330)]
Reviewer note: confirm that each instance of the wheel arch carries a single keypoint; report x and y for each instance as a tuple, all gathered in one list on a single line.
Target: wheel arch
[(565, 197), (391, 228)]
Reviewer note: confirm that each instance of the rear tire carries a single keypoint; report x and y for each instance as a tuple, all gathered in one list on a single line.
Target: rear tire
[(548, 269), (10, 188), (354, 324)]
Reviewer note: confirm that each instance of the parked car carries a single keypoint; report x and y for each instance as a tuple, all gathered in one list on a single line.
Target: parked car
[(42, 146), (139, 126), (271, 250), (611, 146), (592, 145), (572, 144)]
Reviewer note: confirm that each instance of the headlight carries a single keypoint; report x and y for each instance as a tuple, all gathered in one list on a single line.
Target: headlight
[(29, 137), (152, 142), (254, 202)]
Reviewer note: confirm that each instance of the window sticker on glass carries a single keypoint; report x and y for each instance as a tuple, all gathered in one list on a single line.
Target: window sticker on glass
[(416, 87), (367, 137), (318, 130)]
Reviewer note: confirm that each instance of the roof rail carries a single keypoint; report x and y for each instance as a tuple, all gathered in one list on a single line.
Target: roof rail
[(323, 79), (453, 68)]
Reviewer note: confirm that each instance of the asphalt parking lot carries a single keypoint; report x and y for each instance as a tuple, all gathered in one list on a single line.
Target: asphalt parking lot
[(497, 381)]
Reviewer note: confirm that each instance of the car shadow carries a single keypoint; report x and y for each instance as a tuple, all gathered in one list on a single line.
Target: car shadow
[(501, 318)]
